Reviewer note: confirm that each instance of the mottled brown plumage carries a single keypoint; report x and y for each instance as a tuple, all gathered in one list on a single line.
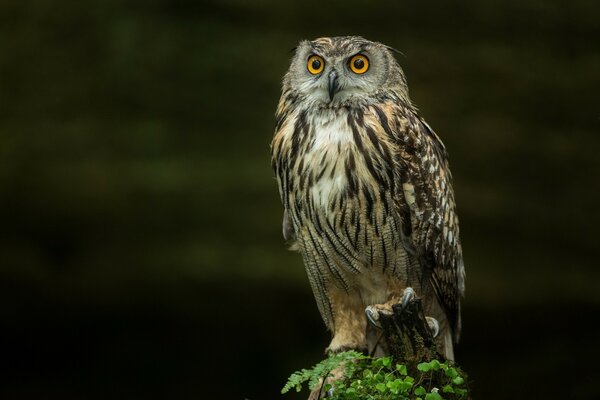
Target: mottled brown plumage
[(366, 189)]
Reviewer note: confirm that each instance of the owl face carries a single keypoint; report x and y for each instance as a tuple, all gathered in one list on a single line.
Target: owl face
[(330, 72)]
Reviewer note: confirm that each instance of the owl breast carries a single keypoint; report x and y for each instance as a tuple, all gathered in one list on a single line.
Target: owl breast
[(344, 219), (324, 161)]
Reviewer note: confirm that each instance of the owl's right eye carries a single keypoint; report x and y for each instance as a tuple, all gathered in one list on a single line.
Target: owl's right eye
[(315, 64)]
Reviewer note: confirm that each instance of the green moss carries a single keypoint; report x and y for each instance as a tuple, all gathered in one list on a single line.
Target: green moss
[(381, 378)]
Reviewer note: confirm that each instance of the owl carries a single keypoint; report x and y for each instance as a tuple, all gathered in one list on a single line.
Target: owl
[(367, 192)]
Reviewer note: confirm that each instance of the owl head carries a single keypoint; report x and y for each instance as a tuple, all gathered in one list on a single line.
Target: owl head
[(332, 72)]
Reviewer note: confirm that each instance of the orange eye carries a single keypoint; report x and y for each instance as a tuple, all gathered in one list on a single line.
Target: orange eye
[(359, 64), (315, 64)]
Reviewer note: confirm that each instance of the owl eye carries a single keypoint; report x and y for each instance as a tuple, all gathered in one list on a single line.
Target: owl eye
[(315, 64), (359, 64)]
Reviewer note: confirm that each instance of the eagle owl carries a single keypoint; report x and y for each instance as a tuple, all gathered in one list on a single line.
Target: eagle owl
[(366, 190)]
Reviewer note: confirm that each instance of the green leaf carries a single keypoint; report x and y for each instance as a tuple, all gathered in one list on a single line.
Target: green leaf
[(394, 385), (458, 380), (322, 369), (432, 365), (401, 369), (420, 391), (386, 361), (296, 380), (424, 367), (433, 396), (448, 389), (381, 387), (405, 387), (451, 373), (435, 365)]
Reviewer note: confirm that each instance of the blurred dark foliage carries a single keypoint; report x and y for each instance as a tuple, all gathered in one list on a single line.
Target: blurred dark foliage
[(140, 246)]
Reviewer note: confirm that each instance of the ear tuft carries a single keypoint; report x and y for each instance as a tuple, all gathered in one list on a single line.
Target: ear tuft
[(395, 50)]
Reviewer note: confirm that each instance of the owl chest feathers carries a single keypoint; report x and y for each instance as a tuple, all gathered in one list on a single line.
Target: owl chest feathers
[(332, 187), (325, 159), (328, 167)]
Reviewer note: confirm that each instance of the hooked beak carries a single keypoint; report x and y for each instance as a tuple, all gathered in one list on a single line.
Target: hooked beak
[(333, 84)]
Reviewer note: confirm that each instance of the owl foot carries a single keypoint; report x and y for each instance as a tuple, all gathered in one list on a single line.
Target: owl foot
[(375, 311)]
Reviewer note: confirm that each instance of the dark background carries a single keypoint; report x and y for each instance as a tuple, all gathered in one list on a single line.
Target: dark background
[(140, 247)]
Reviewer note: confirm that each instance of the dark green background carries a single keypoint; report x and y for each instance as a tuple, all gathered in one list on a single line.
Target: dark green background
[(140, 247)]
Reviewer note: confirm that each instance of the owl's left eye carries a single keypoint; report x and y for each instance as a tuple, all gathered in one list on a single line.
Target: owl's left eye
[(315, 64), (359, 64)]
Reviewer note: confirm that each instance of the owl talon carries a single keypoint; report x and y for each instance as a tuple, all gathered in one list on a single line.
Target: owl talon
[(374, 312), (373, 316), (434, 326), (408, 296)]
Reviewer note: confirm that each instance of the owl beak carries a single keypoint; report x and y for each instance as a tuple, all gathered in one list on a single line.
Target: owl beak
[(333, 84)]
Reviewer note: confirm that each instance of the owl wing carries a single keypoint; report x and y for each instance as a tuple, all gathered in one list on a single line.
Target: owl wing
[(427, 209)]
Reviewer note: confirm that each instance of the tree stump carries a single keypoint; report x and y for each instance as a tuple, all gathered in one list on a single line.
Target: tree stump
[(406, 335)]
